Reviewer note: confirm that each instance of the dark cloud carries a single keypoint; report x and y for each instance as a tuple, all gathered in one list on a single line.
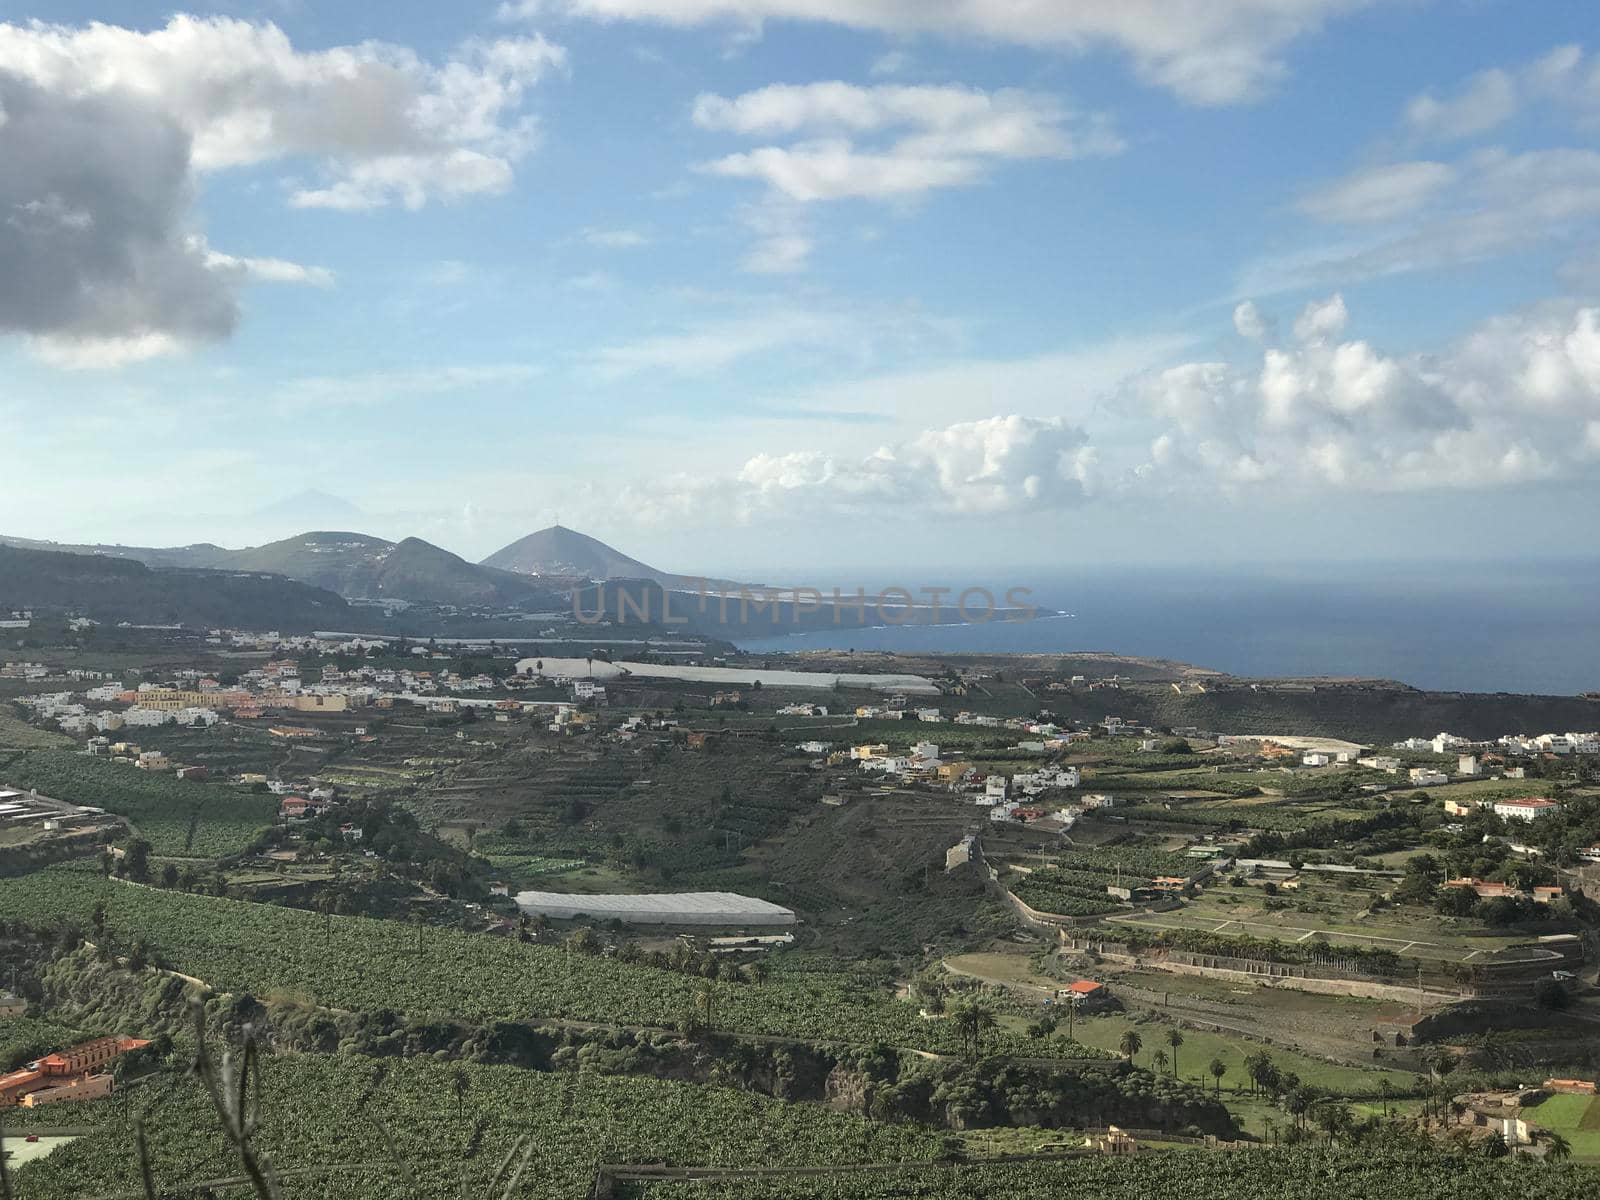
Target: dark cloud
[(94, 242)]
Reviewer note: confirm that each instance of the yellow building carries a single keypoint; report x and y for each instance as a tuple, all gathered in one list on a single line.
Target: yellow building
[(336, 703)]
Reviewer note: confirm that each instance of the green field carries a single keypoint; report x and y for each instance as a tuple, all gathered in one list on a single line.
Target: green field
[(178, 818), (1200, 1047), (1577, 1118), (317, 1112), (17, 734), (365, 964), (1286, 1174)]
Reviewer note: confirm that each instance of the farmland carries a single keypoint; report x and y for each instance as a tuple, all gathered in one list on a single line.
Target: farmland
[(1229, 1176), (177, 818), (362, 963), (415, 1024), (398, 1132)]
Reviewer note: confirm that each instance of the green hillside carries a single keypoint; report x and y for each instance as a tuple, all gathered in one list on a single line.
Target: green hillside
[(361, 566), (121, 589)]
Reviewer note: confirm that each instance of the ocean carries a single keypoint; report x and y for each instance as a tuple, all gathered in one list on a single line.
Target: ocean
[(1531, 627)]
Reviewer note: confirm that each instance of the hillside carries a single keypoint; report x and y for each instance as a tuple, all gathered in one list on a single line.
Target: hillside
[(118, 589), (360, 566), (201, 554), (422, 572), (566, 552)]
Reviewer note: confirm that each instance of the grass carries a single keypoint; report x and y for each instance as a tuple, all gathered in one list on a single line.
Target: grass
[(1200, 1047), (1577, 1118), (17, 734)]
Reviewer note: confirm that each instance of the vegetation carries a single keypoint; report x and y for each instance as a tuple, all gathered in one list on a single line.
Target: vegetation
[(405, 1129), (1408, 1174), (366, 964), (112, 589), (177, 817)]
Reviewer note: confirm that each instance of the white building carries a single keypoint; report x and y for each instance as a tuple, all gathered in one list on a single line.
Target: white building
[(1427, 777), (1528, 809), (1315, 759)]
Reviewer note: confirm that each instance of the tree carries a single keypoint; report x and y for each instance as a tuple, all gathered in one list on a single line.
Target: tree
[(137, 860), (460, 1084), (1298, 1104), (1218, 1069), (1131, 1044), (1158, 1061), (1385, 1090), (1556, 1147), (1333, 1117), (1174, 1039), (972, 1019), (705, 1005)]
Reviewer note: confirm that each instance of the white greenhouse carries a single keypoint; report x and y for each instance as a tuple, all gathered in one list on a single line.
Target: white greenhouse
[(669, 908)]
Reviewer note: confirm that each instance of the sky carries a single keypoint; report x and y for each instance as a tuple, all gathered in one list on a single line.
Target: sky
[(740, 284)]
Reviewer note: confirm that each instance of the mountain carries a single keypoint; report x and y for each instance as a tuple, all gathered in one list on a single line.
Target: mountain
[(359, 566), (310, 507), (566, 552), (201, 554), (112, 589), (346, 563)]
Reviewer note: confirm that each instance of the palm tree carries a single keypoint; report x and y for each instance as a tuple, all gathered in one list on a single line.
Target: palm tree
[(1556, 1147), (1158, 1061), (972, 1018), (1298, 1104), (1385, 1090), (705, 1003), (1174, 1039), (461, 1085), (1334, 1117), (1218, 1069), (1131, 1044)]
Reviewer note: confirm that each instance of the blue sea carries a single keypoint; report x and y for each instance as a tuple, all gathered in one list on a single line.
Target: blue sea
[(1480, 627)]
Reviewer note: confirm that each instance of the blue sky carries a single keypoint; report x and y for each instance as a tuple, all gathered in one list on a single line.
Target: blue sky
[(743, 283)]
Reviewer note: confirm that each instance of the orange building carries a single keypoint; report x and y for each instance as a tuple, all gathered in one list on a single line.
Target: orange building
[(67, 1074)]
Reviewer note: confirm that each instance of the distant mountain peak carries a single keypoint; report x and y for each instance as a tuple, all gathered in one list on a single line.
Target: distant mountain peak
[(559, 550), (310, 507)]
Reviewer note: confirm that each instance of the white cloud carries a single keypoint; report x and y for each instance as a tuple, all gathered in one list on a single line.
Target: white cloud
[(989, 467), (1515, 402), (371, 388), (616, 239), (381, 123), (1511, 403), (780, 254), (266, 270), (1322, 319), (711, 346), (894, 62), (1497, 203), (1487, 100), (1215, 52), (936, 137), (1378, 193), (102, 131), (1248, 321), (88, 353), (1565, 76)]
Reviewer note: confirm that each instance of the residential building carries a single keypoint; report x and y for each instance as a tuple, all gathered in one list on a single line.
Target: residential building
[(1527, 809)]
